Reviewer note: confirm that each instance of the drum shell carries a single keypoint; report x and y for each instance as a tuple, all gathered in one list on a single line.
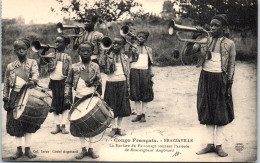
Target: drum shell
[(94, 122), (36, 109)]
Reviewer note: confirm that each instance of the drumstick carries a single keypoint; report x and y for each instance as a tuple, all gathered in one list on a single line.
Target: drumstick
[(18, 105), (23, 97), (92, 96), (74, 106)]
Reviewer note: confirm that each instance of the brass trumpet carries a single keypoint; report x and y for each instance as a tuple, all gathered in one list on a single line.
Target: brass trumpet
[(75, 36), (37, 45), (61, 28), (173, 26), (125, 31)]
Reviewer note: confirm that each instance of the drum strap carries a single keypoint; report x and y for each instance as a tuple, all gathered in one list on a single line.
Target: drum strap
[(123, 65)]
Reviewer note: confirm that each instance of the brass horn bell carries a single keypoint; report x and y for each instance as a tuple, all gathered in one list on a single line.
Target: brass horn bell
[(36, 46), (106, 43), (125, 31)]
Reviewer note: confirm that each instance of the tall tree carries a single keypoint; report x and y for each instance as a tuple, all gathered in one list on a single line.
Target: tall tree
[(168, 9), (241, 13)]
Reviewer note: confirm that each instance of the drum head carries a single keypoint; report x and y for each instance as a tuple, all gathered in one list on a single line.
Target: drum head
[(19, 109), (82, 109)]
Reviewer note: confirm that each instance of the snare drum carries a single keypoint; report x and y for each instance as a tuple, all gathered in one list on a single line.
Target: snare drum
[(33, 106), (92, 120)]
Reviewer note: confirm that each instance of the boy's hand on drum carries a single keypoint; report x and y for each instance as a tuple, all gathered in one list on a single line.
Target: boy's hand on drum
[(5, 99), (133, 49), (67, 100), (30, 84)]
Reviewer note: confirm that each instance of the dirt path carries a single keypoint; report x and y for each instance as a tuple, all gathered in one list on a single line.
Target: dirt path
[(172, 115)]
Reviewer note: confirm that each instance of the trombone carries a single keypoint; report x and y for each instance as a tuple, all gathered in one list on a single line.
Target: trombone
[(173, 26)]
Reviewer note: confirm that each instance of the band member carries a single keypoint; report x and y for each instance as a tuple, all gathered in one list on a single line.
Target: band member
[(20, 75), (214, 98), (141, 90), (117, 85), (84, 77), (59, 68), (93, 36)]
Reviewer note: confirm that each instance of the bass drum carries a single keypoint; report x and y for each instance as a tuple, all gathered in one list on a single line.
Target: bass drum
[(89, 117), (33, 106)]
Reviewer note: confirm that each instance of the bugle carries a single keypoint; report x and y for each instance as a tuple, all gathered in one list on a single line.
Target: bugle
[(125, 31), (37, 45), (175, 27), (60, 28)]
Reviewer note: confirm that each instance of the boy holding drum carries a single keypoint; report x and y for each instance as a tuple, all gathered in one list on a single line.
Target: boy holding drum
[(84, 77), (20, 75)]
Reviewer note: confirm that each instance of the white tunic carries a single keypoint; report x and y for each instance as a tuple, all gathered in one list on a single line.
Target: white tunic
[(82, 89), (19, 83), (57, 73), (142, 62), (117, 75), (213, 64)]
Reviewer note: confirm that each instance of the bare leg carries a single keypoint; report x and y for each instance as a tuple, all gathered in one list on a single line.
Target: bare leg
[(28, 152), (119, 124), (114, 128), (84, 150), (28, 138), (19, 151), (219, 140), (91, 152), (210, 138), (210, 134), (143, 110), (57, 123), (138, 105), (18, 141), (133, 108), (64, 117)]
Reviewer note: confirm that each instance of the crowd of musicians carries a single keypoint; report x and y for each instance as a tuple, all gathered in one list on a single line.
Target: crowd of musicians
[(127, 75)]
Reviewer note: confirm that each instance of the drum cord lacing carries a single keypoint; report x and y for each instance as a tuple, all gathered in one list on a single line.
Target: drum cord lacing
[(86, 138), (92, 129)]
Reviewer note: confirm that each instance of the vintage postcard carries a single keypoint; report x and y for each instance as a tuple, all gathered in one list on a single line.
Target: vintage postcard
[(129, 80)]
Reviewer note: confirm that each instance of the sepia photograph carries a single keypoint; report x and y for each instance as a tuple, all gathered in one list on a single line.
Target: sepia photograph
[(129, 80)]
